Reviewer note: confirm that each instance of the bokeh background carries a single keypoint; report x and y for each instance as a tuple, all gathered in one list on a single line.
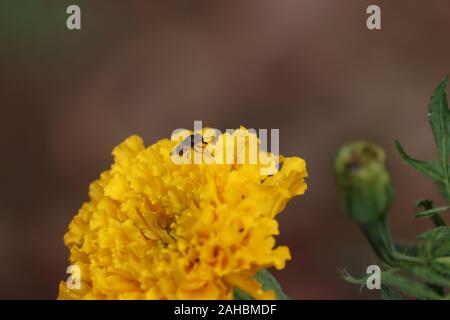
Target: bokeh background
[(309, 68)]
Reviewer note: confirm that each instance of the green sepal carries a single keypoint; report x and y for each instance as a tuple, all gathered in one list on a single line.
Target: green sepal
[(268, 282)]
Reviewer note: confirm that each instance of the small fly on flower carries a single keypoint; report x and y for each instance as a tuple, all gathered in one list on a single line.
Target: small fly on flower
[(193, 142)]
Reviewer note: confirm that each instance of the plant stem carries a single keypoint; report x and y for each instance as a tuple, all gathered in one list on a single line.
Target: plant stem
[(438, 220), (381, 242)]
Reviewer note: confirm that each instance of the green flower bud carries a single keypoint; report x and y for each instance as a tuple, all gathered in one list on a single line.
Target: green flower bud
[(363, 181), (366, 193)]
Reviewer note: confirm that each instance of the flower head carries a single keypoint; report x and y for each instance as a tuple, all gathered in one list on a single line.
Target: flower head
[(153, 229)]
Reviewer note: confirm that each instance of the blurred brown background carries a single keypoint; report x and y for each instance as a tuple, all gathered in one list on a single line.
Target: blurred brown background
[(308, 67)]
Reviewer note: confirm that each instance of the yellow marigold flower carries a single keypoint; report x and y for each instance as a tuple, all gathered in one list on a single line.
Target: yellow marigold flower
[(153, 229)]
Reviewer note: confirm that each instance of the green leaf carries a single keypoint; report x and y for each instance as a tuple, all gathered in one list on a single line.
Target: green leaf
[(439, 117), (430, 168), (408, 286), (431, 276), (390, 294), (436, 234), (406, 249), (424, 203), (268, 282), (350, 279), (443, 249), (431, 241), (444, 260), (431, 212), (442, 264)]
